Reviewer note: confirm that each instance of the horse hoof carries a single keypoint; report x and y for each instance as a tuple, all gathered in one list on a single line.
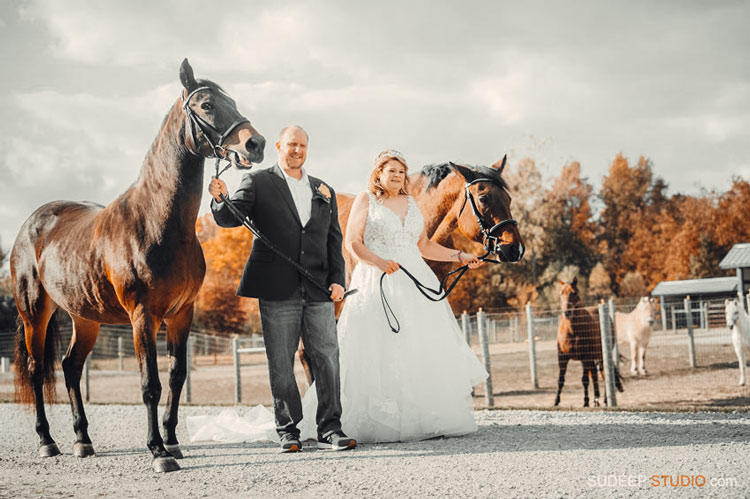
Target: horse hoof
[(165, 464), (49, 450), (596, 403), (83, 450), (586, 404), (174, 450)]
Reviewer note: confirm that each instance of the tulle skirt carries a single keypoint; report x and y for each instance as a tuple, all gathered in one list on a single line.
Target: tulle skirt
[(405, 386)]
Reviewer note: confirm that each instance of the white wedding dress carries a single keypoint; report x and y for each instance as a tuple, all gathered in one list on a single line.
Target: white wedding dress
[(410, 385), (395, 387)]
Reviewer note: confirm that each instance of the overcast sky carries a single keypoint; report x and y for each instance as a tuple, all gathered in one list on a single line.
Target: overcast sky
[(85, 86)]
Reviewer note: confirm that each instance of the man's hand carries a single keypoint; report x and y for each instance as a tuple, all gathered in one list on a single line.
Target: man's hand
[(216, 188), (337, 292)]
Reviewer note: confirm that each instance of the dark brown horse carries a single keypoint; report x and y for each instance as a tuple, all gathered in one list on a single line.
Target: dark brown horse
[(470, 200), (135, 261), (579, 338)]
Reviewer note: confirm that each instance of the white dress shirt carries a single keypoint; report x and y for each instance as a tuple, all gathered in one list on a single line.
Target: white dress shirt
[(301, 194)]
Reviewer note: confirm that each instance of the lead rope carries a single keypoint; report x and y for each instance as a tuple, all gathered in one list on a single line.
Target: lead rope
[(439, 294), (245, 221)]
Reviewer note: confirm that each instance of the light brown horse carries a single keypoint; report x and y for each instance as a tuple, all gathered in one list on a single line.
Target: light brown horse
[(470, 200), (579, 338), (135, 261)]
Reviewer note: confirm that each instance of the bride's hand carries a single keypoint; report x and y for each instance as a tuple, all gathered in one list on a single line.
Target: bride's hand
[(472, 260), (388, 266)]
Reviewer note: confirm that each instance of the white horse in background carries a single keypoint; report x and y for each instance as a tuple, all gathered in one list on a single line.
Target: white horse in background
[(638, 325), (739, 323)]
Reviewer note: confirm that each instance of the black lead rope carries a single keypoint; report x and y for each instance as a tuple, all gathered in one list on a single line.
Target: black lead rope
[(248, 224), (431, 294)]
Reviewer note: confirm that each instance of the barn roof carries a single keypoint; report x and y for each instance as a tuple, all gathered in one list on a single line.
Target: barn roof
[(738, 256), (696, 287)]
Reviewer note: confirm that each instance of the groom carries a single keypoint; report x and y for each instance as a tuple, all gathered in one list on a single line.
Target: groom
[(298, 214)]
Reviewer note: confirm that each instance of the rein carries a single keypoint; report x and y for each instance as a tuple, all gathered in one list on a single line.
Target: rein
[(431, 294), (248, 224)]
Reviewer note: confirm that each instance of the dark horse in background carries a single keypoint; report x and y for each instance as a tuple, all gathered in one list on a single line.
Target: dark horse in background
[(135, 261), (472, 201), (579, 338)]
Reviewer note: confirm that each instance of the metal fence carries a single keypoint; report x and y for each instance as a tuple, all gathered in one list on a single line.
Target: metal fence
[(694, 365)]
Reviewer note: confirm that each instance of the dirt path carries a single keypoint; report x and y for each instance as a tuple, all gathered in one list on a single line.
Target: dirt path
[(514, 454)]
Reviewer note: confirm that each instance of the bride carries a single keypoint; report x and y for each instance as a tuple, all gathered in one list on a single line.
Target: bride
[(415, 384)]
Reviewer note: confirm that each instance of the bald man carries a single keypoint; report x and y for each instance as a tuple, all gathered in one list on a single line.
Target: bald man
[(298, 214)]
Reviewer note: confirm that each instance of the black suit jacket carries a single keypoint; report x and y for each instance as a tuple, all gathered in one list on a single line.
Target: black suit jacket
[(264, 196)]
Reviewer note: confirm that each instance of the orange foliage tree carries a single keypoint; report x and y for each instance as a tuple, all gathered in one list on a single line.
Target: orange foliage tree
[(217, 306)]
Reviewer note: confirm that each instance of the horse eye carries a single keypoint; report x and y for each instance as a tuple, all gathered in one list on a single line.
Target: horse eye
[(207, 106), (483, 199)]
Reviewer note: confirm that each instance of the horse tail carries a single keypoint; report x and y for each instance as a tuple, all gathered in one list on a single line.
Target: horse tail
[(24, 386)]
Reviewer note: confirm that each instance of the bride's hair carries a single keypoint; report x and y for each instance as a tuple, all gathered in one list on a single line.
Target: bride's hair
[(384, 157)]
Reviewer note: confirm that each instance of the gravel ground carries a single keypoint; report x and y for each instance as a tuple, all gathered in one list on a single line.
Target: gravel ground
[(514, 454)]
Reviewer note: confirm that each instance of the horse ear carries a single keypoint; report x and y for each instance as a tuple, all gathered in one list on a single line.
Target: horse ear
[(575, 282), (186, 76), (464, 171), (562, 283), (500, 164)]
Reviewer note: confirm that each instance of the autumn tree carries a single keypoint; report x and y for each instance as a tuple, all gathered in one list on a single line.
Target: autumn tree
[(600, 284), (633, 285), (631, 198), (217, 305)]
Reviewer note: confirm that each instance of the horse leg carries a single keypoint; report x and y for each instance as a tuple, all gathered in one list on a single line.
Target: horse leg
[(585, 381), (562, 362), (642, 360), (145, 326), (84, 336), (737, 341), (595, 382), (178, 331), (35, 355), (633, 358)]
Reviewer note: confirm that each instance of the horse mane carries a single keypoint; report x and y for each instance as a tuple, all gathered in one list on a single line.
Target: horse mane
[(435, 173)]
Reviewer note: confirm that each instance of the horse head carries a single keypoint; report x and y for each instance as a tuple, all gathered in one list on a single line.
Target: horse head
[(647, 307), (213, 125), (732, 312), (569, 297), (484, 211)]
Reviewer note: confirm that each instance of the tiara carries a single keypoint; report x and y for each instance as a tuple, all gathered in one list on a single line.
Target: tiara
[(390, 154)]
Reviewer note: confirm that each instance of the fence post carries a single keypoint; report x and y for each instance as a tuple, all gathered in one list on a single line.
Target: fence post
[(236, 357), (86, 369), (189, 355), (747, 299), (120, 353), (689, 323), (489, 396), (609, 368), (532, 345), (663, 313), (615, 343), (465, 327)]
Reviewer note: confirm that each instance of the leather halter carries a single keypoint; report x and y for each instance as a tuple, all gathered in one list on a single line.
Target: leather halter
[(196, 122), (490, 239)]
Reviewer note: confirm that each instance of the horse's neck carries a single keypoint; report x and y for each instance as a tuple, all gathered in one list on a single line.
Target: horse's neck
[(167, 193), (440, 220)]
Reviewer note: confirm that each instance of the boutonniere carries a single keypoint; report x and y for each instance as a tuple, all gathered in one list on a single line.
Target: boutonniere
[(324, 193)]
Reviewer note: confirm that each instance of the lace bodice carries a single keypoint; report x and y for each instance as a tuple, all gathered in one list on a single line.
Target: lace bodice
[(385, 235)]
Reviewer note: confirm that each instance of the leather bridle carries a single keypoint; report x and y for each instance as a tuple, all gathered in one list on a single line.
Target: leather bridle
[(490, 235), (196, 122)]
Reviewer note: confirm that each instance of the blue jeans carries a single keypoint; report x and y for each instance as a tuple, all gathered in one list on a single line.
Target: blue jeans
[(284, 322)]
